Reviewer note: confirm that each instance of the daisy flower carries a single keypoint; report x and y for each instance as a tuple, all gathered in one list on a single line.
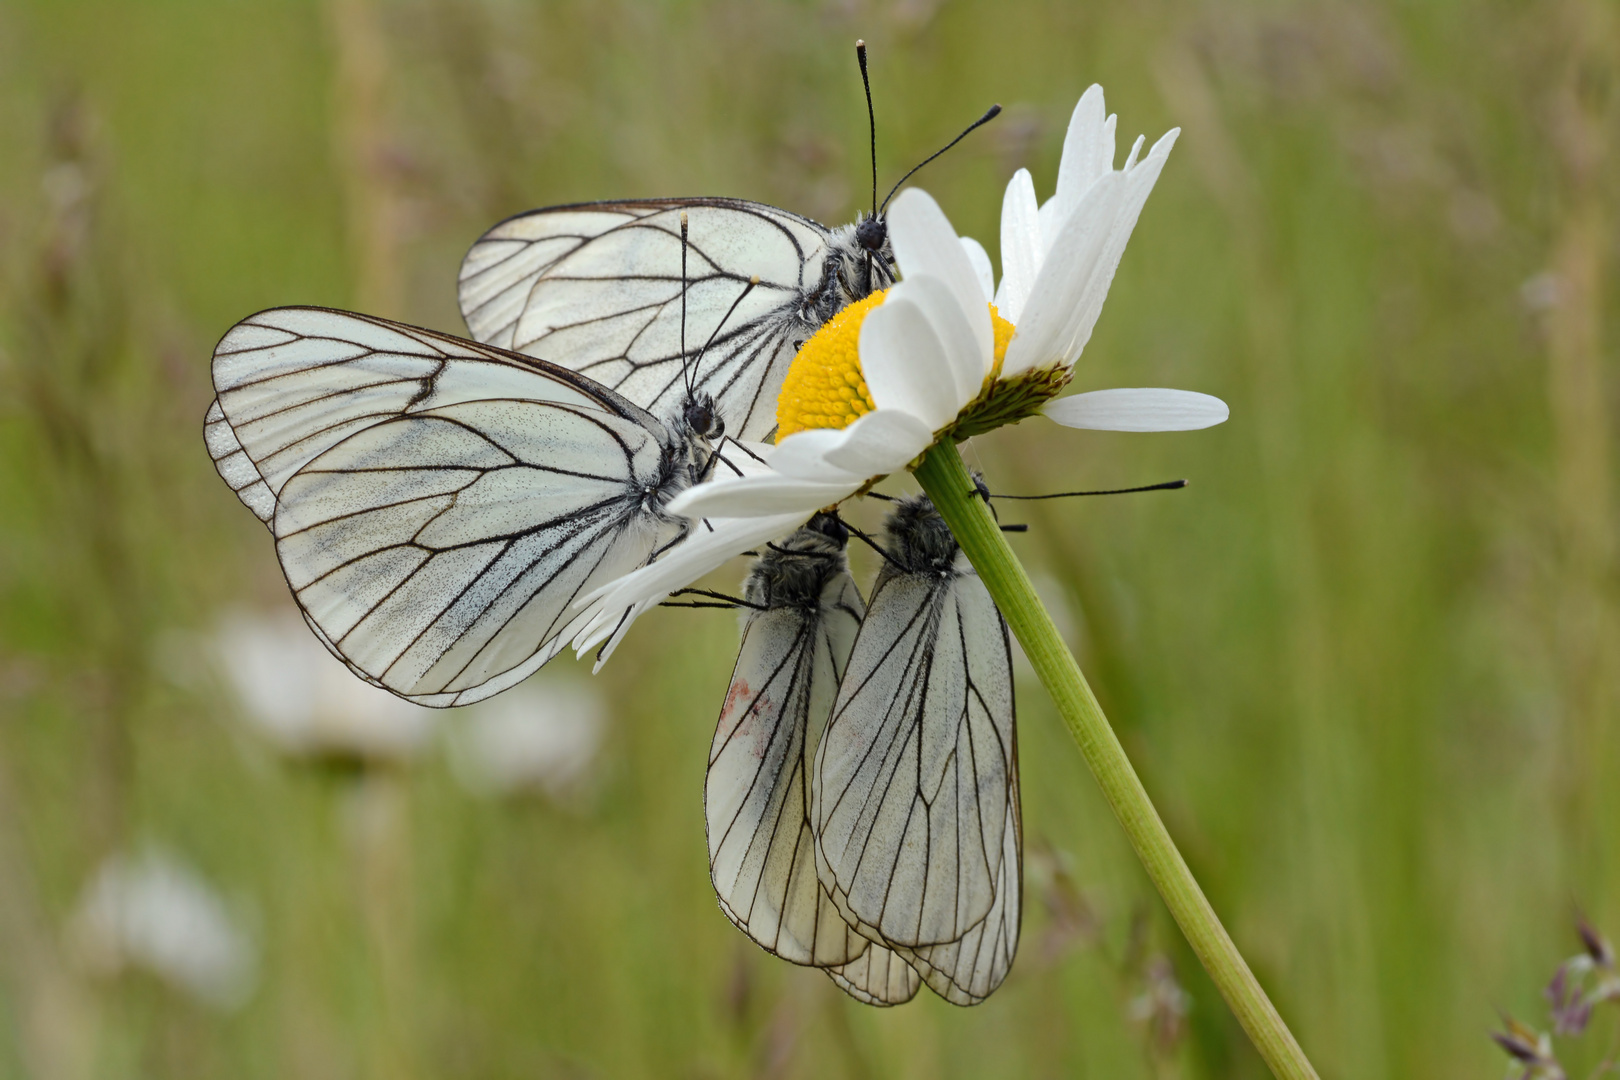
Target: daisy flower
[(943, 355)]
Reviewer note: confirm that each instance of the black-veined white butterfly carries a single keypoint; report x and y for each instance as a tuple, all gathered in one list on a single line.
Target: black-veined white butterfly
[(597, 287), (914, 795), (796, 644), (439, 505)]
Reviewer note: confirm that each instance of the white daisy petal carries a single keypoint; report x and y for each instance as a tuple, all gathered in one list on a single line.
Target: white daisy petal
[(1053, 214), (759, 496), (1088, 151), (1138, 186), (967, 366), (1020, 245), (1052, 314), (880, 442), (706, 549), (803, 456), (1068, 296), (980, 259), (925, 243), (1136, 148), (599, 627), (905, 364), (1138, 410)]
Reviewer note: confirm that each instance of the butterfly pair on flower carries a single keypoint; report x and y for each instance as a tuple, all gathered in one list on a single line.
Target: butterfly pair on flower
[(451, 514)]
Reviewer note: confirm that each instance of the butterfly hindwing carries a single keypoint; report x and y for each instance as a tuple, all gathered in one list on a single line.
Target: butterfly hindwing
[(915, 795), (877, 977), (597, 287), (438, 505)]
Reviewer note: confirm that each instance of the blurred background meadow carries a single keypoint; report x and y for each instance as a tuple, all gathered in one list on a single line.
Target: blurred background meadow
[(1368, 664)]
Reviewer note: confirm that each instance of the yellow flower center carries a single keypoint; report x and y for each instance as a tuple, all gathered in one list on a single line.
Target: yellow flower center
[(824, 387)]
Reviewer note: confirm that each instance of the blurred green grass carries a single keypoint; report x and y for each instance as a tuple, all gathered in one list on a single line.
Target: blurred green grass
[(1366, 663)]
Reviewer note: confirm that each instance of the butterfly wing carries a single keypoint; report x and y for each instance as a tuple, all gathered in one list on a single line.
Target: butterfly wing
[(597, 287), (761, 855), (438, 505), (915, 794), (235, 467), (877, 977)]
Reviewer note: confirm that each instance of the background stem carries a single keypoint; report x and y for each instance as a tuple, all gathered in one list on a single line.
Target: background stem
[(946, 480)]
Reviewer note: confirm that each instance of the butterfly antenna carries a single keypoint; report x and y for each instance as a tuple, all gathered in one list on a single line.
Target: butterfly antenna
[(730, 601), (990, 114), (871, 118), (875, 546), (686, 368), (721, 325), (1168, 485)]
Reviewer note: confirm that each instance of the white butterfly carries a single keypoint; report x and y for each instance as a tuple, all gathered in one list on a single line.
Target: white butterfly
[(914, 796), (795, 648), (597, 287), (439, 505)]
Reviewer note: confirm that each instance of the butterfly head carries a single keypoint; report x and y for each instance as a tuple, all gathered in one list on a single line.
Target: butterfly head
[(702, 418), (829, 526), (872, 234)]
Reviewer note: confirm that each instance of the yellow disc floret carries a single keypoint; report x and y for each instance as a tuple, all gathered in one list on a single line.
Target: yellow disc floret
[(1003, 331), (824, 387)]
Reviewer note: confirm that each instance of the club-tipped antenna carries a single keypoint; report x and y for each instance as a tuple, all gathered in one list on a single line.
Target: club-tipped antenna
[(871, 118), (1168, 485), (753, 281), (990, 114), (686, 368)]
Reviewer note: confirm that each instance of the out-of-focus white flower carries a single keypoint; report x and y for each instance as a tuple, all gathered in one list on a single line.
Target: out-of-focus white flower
[(153, 912), (306, 701), (543, 735)]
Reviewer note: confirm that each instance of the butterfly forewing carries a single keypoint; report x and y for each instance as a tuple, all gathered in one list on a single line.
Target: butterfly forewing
[(438, 505), (914, 797), (597, 287), (966, 971), (761, 854)]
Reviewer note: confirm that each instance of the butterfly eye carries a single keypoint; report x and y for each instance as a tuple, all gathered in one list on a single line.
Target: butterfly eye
[(701, 419), (872, 233)]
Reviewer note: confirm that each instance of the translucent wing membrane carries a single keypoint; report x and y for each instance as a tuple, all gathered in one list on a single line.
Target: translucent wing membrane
[(877, 977), (438, 505), (915, 795), (761, 855), (235, 467), (597, 287), (761, 852)]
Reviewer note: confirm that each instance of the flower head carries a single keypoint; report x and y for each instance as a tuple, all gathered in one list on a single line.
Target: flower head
[(944, 355)]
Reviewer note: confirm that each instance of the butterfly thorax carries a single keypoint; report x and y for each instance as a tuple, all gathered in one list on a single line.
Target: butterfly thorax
[(794, 573)]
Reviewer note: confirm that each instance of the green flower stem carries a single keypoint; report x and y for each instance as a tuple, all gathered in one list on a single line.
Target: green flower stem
[(946, 480)]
